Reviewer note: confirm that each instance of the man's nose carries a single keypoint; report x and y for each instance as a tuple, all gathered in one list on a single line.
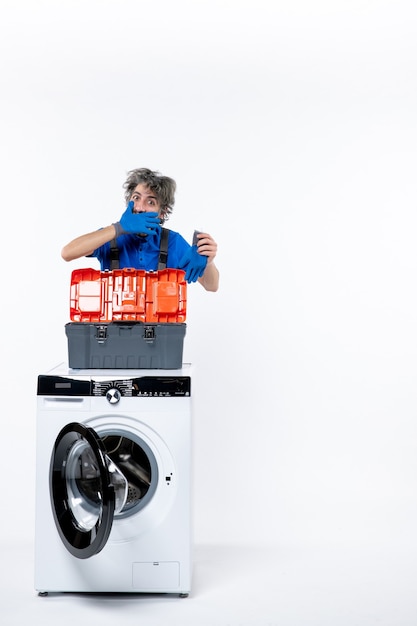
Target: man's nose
[(139, 206)]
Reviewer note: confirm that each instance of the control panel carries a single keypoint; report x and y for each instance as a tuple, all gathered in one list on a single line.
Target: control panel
[(136, 386)]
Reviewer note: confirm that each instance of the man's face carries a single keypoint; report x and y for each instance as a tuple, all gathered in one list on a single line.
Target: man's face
[(144, 200)]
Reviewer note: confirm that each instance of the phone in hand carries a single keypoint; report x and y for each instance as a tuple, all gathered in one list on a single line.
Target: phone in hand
[(195, 240)]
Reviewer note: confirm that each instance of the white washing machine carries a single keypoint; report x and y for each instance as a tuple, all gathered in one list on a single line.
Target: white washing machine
[(113, 481)]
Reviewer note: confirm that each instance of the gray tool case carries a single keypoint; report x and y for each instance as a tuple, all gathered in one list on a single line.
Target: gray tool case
[(125, 345)]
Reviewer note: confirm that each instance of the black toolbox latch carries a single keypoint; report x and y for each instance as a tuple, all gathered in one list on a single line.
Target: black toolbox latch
[(149, 333), (101, 334)]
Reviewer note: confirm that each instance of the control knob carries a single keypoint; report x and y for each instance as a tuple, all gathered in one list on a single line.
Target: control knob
[(113, 395)]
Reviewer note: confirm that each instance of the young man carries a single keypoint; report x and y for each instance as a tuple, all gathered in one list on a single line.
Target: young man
[(150, 198)]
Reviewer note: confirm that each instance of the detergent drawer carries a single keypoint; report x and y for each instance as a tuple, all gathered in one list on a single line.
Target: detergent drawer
[(133, 345)]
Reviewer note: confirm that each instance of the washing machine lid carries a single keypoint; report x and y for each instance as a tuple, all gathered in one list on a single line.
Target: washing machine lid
[(82, 493)]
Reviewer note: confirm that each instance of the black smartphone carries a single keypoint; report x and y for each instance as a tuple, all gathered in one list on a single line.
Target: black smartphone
[(195, 240)]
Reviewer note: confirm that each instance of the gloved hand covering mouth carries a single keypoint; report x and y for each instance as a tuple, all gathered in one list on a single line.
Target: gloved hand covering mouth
[(144, 223)]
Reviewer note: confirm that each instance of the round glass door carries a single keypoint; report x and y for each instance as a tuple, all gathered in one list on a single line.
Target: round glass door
[(86, 488)]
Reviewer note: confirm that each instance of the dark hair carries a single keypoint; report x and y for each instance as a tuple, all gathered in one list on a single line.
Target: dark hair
[(162, 186)]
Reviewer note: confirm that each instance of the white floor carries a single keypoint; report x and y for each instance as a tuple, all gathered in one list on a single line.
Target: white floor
[(239, 586)]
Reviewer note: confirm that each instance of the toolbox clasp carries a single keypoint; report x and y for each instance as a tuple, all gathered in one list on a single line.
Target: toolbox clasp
[(101, 334), (149, 334)]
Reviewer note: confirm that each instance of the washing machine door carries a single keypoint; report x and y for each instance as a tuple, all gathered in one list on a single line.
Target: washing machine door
[(83, 490)]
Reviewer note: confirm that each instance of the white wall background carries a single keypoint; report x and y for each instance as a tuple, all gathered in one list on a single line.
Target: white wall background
[(290, 127)]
